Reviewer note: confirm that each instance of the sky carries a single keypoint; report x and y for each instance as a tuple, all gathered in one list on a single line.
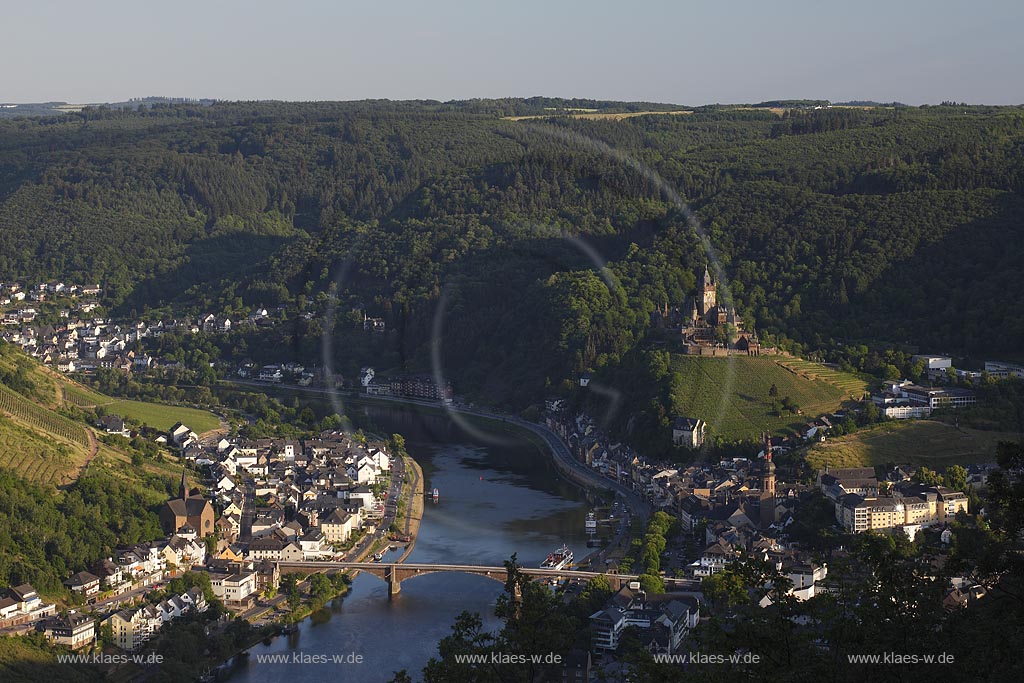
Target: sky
[(680, 51)]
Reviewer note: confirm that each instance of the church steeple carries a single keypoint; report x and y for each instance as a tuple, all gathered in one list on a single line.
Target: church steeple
[(708, 282), (183, 489)]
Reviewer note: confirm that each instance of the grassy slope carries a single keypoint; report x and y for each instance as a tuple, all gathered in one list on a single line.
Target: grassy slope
[(919, 442), (22, 659), (155, 415), (43, 446), (731, 394)]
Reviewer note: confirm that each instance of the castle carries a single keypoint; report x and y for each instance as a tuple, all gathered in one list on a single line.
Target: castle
[(700, 328)]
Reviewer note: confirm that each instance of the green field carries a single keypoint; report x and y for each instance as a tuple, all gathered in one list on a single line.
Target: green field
[(916, 442), (731, 394), (156, 415), (163, 417)]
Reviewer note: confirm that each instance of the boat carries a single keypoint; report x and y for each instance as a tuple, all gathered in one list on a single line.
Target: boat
[(289, 629), (378, 556), (436, 494), (559, 559), (591, 524), (393, 547)]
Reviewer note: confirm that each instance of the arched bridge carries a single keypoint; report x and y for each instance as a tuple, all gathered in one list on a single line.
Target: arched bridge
[(396, 573)]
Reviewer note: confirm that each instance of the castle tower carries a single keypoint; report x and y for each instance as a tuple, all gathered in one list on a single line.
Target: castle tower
[(708, 296)]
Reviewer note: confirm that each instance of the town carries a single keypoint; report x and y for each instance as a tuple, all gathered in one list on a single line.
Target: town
[(338, 497)]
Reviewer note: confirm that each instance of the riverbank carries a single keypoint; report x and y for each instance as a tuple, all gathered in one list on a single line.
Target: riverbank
[(414, 509), (536, 433)]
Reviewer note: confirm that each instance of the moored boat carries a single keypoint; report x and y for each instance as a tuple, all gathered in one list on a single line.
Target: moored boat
[(559, 559)]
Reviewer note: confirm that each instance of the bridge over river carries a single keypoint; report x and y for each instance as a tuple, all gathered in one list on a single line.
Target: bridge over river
[(395, 573)]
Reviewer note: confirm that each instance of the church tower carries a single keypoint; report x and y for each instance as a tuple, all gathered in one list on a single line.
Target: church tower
[(767, 503), (183, 488), (768, 471), (708, 297)]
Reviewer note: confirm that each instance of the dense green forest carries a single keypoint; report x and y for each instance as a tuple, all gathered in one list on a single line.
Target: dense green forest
[(46, 538), (535, 249)]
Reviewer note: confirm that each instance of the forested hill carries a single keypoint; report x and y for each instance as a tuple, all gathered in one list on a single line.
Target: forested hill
[(897, 225)]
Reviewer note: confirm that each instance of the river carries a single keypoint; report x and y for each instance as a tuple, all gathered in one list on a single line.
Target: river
[(496, 498)]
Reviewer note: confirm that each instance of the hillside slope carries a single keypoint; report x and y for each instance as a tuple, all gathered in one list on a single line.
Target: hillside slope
[(732, 394)]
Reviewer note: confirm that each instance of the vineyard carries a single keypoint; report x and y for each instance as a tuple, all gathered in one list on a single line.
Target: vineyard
[(732, 394), (40, 418), (850, 384), (82, 397), (35, 457)]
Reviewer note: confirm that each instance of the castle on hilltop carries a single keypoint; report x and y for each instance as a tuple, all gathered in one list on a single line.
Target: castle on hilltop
[(710, 328)]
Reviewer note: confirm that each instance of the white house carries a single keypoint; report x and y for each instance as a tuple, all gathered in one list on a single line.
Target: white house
[(689, 432)]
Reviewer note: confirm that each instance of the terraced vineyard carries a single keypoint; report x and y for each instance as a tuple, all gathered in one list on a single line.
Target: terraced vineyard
[(82, 397), (731, 394), (36, 457), (40, 418), (852, 385)]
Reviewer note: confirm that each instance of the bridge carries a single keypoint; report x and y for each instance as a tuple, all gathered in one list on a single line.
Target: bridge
[(395, 573)]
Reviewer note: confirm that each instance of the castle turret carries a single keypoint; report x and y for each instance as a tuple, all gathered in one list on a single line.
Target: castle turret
[(708, 294)]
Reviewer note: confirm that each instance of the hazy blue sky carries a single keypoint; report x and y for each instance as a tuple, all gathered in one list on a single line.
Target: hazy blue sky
[(680, 51)]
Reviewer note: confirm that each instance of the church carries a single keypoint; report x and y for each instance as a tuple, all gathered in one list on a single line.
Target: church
[(185, 510)]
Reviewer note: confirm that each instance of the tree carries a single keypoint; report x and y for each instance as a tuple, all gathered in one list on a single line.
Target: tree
[(955, 478), (290, 587), (927, 476), (320, 588), (724, 588)]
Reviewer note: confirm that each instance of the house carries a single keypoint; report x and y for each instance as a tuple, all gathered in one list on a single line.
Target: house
[(235, 588), (689, 432), (133, 627), (26, 597), (84, 583), (835, 483), (268, 576), (114, 424), (72, 629), (267, 547), (714, 559), (110, 573), (8, 607), (180, 435), (337, 527), (314, 545), (663, 621), (366, 472)]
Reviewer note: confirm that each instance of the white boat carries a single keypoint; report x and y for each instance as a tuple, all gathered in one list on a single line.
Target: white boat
[(559, 559)]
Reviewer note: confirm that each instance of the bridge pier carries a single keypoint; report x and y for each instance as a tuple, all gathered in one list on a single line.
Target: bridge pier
[(394, 583)]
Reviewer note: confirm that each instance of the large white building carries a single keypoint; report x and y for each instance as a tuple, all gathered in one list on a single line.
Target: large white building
[(689, 432)]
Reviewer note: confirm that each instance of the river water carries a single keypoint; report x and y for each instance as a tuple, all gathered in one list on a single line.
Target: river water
[(496, 498)]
